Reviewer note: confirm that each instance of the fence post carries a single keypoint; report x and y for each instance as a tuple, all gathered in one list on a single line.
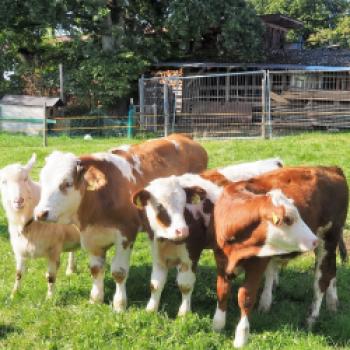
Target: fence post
[(142, 100), (155, 121), (44, 127), (131, 113), (268, 105), (166, 109), (263, 106), (60, 68)]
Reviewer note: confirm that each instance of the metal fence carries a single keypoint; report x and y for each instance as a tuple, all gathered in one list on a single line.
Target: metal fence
[(246, 104)]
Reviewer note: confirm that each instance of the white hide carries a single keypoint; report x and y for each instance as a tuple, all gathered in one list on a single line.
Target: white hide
[(120, 162), (246, 171), (283, 238), (59, 168)]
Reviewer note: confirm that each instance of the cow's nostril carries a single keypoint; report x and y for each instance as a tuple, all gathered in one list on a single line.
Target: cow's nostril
[(42, 215), (315, 243), (182, 232), (19, 200)]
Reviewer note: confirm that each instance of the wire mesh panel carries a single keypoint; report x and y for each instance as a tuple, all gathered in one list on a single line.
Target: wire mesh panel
[(216, 105), (302, 101)]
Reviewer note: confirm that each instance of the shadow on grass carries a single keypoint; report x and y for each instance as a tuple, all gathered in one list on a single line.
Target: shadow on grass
[(6, 330), (292, 300)]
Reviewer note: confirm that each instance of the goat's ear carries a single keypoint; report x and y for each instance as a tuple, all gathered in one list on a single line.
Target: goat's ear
[(195, 194), (140, 198), (28, 167), (94, 177)]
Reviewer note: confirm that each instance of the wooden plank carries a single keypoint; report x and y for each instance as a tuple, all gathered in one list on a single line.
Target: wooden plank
[(278, 98)]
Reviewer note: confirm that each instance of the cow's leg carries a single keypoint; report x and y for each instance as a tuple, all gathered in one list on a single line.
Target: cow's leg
[(158, 279), (120, 271), (53, 264), (20, 269), (325, 277), (186, 279), (246, 297), (223, 287), (71, 266), (332, 295), (266, 295), (97, 263)]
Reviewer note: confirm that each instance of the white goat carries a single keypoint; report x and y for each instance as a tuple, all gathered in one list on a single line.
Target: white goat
[(29, 238)]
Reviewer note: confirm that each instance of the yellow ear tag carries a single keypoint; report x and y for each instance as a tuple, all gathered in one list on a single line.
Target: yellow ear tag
[(196, 199), (275, 219), (139, 203), (91, 187)]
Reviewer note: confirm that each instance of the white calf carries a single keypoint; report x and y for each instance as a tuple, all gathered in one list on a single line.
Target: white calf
[(31, 239)]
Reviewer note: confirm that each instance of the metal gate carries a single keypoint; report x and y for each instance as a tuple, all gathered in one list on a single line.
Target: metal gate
[(245, 104)]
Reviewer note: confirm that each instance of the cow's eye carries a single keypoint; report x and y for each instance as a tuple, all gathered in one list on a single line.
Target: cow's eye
[(288, 220), (162, 216), (65, 185), (4, 182), (25, 179)]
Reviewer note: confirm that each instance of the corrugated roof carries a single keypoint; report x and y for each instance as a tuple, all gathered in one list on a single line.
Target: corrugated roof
[(282, 21), (249, 66), (26, 100)]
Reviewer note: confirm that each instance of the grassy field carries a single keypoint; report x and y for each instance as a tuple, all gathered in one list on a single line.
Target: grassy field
[(70, 322)]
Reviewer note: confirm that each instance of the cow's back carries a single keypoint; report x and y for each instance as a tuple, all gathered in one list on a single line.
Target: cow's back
[(173, 155), (320, 193)]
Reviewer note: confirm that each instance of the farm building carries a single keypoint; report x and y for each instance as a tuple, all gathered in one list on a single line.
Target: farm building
[(25, 114), (276, 29), (211, 99)]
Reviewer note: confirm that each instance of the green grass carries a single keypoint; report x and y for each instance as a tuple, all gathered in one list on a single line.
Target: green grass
[(70, 322)]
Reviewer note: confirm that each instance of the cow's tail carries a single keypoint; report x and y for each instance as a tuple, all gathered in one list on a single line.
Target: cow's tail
[(342, 250)]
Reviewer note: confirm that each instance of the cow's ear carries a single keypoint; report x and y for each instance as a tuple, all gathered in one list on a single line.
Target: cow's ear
[(94, 178), (140, 198), (28, 167), (195, 194)]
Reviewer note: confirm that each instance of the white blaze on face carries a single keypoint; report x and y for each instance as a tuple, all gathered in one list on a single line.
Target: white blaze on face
[(246, 171), (290, 235), (59, 197), (168, 199), (166, 207)]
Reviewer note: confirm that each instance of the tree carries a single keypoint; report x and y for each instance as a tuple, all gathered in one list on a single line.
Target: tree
[(111, 42)]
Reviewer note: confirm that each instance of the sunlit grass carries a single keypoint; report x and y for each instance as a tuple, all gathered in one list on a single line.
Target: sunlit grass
[(70, 322)]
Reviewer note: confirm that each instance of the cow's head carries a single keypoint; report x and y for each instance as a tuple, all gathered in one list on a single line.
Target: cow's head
[(265, 225), (286, 230), (64, 180), (164, 201), (15, 185)]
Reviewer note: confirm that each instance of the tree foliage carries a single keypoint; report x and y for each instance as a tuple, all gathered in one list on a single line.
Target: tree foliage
[(111, 42)]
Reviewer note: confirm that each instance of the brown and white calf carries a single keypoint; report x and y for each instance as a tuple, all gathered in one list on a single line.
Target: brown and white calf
[(178, 211), (94, 192), (319, 194), (30, 239)]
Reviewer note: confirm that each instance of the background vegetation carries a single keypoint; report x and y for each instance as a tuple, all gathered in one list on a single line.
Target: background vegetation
[(107, 44), (70, 322)]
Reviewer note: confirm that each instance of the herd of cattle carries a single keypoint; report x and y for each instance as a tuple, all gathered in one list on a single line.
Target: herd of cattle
[(254, 216)]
